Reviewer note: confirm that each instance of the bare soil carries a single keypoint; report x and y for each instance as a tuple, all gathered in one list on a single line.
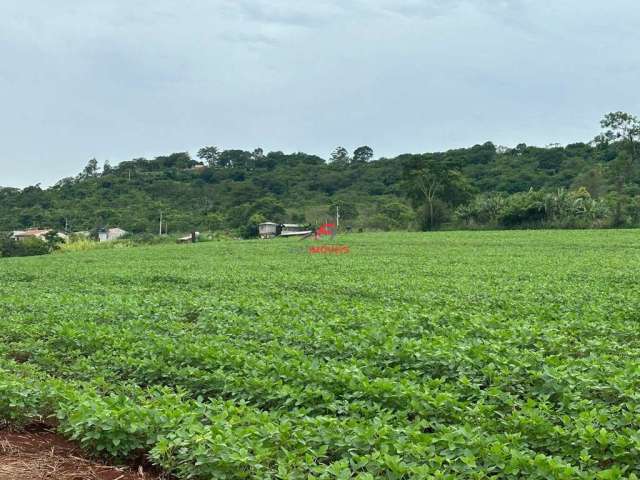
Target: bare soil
[(38, 454)]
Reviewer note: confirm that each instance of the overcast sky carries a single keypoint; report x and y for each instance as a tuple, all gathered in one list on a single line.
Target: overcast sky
[(118, 79)]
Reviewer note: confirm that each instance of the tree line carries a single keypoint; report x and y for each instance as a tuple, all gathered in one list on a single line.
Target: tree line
[(581, 185), (596, 184)]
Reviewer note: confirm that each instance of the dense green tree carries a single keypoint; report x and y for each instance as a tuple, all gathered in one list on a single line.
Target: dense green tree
[(392, 214), (24, 248), (431, 183), (91, 169), (362, 155), (53, 240), (257, 157), (623, 129), (235, 158), (340, 157), (209, 155), (348, 210)]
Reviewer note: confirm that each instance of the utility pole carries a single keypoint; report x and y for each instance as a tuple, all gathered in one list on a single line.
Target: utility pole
[(160, 233)]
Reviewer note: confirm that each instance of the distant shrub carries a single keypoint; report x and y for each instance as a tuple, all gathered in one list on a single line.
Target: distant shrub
[(77, 244), (214, 236), (53, 240), (80, 244), (535, 209), (390, 215), (148, 239), (24, 248)]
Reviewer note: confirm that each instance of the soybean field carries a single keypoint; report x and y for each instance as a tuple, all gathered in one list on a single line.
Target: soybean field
[(451, 355)]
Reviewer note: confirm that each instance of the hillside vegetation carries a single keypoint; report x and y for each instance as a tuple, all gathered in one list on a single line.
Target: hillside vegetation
[(450, 355), (579, 185)]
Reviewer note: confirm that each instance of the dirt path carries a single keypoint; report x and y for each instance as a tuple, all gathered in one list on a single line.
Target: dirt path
[(43, 455)]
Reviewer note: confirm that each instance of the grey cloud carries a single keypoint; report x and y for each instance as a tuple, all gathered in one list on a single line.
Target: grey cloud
[(117, 79), (250, 38), (418, 8), (435, 8), (288, 13)]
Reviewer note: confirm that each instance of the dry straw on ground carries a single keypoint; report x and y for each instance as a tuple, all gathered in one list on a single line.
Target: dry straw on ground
[(46, 456)]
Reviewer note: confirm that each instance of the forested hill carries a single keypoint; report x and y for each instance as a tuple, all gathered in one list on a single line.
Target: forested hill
[(233, 190)]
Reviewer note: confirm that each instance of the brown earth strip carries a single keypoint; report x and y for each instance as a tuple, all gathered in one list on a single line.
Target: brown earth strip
[(43, 455)]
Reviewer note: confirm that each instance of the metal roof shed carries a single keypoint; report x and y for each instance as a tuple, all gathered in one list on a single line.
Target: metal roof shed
[(268, 230)]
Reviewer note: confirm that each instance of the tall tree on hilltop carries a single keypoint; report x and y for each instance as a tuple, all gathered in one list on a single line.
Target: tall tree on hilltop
[(622, 129), (362, 155), (257, 157), (209, 155), (340, 157), (91, 169)]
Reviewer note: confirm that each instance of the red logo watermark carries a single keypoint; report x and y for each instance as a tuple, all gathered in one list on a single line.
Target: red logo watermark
[(329, 249), (327, 230)]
